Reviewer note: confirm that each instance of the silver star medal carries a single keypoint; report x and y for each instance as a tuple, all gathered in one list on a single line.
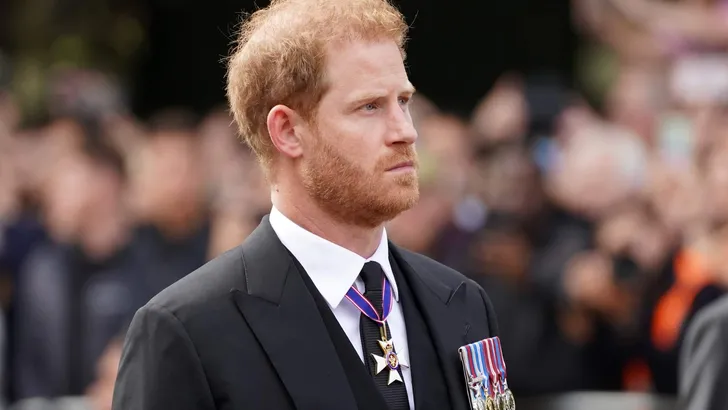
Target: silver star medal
[(389, 360)]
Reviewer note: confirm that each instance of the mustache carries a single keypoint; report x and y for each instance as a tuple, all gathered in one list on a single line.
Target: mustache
[(401, 154)]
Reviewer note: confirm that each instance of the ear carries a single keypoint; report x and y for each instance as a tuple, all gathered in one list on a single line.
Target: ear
[(282, 122)]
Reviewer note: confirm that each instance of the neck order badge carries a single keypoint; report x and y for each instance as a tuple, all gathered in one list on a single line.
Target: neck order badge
[(389, 358), (485, 375)]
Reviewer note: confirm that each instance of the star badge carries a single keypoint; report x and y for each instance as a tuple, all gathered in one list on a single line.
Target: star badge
[(389, 360)]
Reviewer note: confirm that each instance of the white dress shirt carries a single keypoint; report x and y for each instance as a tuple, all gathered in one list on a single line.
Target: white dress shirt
[(333, 270)]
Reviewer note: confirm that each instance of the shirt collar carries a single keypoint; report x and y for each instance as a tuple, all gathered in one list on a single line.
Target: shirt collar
[(332, 268)]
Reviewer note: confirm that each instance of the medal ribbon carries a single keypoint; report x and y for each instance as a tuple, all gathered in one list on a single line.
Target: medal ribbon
[(367, 308), (470, 361), (491, 364), (473, 361), (501, 362), (481, 367)]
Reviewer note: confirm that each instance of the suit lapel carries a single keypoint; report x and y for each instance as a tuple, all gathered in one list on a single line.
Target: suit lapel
[(283, 315), (443, 308)]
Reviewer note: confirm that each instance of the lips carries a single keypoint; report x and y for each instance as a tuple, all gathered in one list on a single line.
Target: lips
[(403, 164)]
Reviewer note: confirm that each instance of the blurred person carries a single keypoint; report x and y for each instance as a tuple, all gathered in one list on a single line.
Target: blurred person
[(596, 169), (236, 187), (124, 132), (239, 202), (643, 254), (590, 282), (672, 192), (421, 108), (238, 207), (701, 23), (446, 139), (73, 291), (443, 152), (219, 144), (601, 21), (694, 36), (9, 113), (26, 164), (503, 112), (9, 183), (635, 233), (21, 230), (34, 158), (616, 231), (435, 207), (169, 203), (517, 246), (500, 181), (570, 123), (31, 153), (690, 280), (101, 392), (653, 32), (715, 170), (547, 96), (167, 187), (268, 324), (84, 94), (634, 99), (587, 169), (507, 180)]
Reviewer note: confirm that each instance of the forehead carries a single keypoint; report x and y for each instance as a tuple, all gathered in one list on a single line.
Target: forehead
[(365, 66)]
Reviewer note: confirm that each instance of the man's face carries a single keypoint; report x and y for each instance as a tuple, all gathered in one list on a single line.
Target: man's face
[(359, 161), (66, 197), (166, 176)]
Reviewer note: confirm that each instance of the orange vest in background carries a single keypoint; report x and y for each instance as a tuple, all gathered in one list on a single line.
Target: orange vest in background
[(691, 276)]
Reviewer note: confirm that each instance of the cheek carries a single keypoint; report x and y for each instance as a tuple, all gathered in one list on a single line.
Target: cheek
[(352, 142)]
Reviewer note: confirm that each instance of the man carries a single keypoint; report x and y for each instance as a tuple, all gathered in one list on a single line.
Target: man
[(310, 310), (78, 272)]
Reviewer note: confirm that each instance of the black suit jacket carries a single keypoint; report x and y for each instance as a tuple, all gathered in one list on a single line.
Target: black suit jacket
[(703, 370), (243, 332)]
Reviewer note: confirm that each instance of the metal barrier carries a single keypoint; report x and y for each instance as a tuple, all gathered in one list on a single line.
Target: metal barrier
[(63, 403), (598, 401)]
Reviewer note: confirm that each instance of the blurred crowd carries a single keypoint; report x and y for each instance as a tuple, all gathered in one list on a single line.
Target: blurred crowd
[(594, 215)]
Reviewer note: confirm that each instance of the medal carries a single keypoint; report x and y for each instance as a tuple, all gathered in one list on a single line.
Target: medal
[(509, 402), (476, 378), (485, 375), (389, 358), (501, 401), (504, 399), (489, 404)]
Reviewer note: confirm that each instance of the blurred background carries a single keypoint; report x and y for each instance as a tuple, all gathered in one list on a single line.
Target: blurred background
[(574, 162)]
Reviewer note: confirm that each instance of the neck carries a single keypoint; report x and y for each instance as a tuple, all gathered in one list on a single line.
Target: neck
[(305, 213)]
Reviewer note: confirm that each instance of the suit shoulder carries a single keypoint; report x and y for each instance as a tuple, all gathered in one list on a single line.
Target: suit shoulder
[(715, 314), (212, 281), (445, 273)]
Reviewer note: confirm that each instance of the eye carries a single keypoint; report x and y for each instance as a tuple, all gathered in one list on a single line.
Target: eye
[(404, 100), (369, 107)]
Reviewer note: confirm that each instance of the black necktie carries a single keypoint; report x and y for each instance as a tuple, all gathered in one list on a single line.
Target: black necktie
[(395, 394)]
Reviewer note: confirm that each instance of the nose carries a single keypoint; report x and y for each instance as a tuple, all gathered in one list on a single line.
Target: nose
[(402, 131)]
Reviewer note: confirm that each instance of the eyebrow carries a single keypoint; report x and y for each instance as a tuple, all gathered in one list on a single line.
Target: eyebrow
[(373, 95)]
